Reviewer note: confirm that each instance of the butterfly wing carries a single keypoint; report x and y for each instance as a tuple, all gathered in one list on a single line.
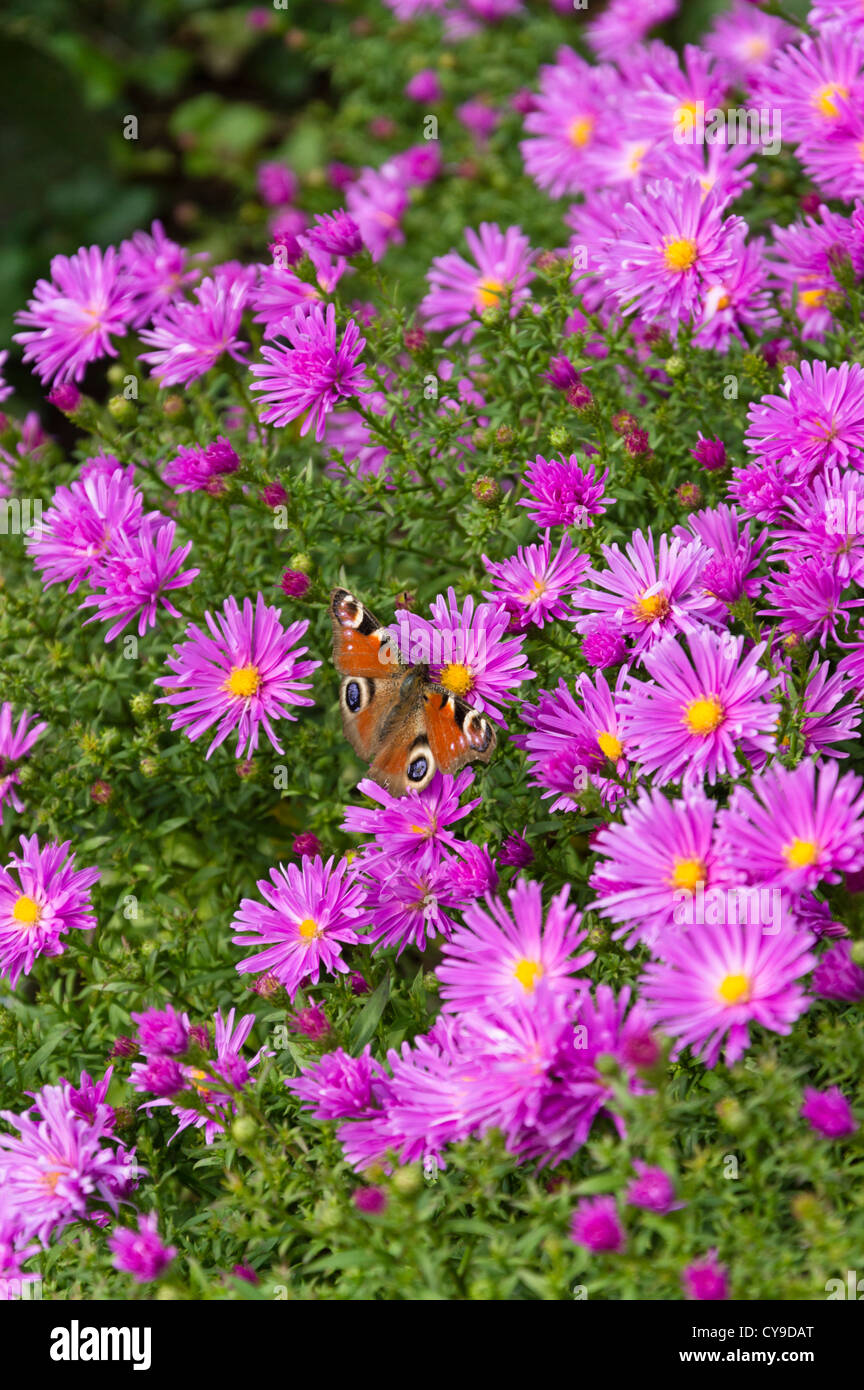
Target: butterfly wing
[(361, 646), (456, 733)]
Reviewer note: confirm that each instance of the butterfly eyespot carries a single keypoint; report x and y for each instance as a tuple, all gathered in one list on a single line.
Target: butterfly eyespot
[(478, 731), (417, 769), (353, 697)]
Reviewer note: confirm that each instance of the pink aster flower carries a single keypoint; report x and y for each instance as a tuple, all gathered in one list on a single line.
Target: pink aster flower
[(596, 1225), (225, 1064), (312, 909), (619, 28), (73, 316), (806, 256), (277, 294), (460, 290), (745, 40), (241, 676), (576, 738), (200, 469), (277, 184), (155, 269), (826, 720), (15, 743), (828, 1112), (648, 593), (737, 299), (700, 709), (762, 489), (335, 233), (845, 14), (533, 583), (498, 956), (809, 601), (734, 553), (46, 898), (825, 522), (377, 204), (705, 1280), (655, 860), (409, 902), (798, 827), (339, 1086), (571, 120), (561, 493), (652, 1189), (712, 982), (188, 338), (314, 373), (467, 650), (61, 1165), (79, 529), (837, 976), (413, 827), (815, 83), (141, 1253), (136, 575), (818, 420), (673, 245)]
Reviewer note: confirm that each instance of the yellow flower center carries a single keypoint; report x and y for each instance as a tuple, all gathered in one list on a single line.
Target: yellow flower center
[(704, 716), (680, 254), (196, 1076), (811, 298), (580, 130), (651, 606), (50, 1180), (610, 745), (457, 678), (723, 302), (308, 928), (801, 853), (528, 972), (243, 681), (687, 874), (26, 910), (636, 158), (734, 988), (489, 293), (537, 590), (756, 47), (823, 99)]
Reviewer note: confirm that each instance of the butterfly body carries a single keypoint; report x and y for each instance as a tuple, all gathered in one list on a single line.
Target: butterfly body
[(397, 719)]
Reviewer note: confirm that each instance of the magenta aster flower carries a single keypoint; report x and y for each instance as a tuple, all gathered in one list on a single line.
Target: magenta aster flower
[(200, 468), (805, 259), (603, 645), (59, 1166), (648, 593), (336, 233), (16, 740), (762, 489), (818, 420), (561, 493), (310, 377), (277, 294), (499, 955), (188, 338), (141, 1253), (662, 852), (377, 204), (312, 910), (700, 709), (745, 40), (837, 976), (824, 524), (515, 852), (710, 984), (705, 1280), (413, 827), (47, 897), (816, 84), (227, 1065), (673, 245), (796, 828), (277, 184), (736, 299), (242, 676), (136, 575), (73, 316), (652, 1189), (570, 124), (533, 583), (809, 601), (575, 737), (596, 1225), (837, 13), (155, 269), (339, 1086), (467, 651), (82, 524), (162, 1032), (826, 719), (828, 1112), (460, 290), (409, 902)]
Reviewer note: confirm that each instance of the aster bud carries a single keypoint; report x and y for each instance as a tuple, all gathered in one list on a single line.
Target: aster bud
[(580, 398), (244, 1130), (148, 766), (490, 317), (559, 438), (124, 1119), (624, 423), (857, 952), (122, 410), (675, 365), (504, 436), (66, 397), (486, 490), (174, 407), (415, 340), (100, 793), (637, 444), (301, 561), (294, 583), (731, 1115), (431, 983), (116, 373), (689, 495), (408, 1180)]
